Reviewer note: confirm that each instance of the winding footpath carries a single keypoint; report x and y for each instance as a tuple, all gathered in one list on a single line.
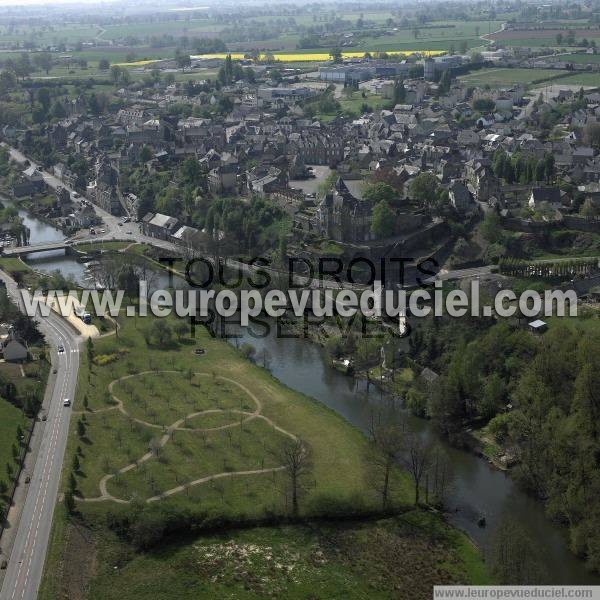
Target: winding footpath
[(105, 495)]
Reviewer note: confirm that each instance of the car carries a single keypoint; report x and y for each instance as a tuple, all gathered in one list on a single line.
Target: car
[(44, 418), (129, 232), (101, 230), (120, 224), (66, 402), (61, 349), (55, 370)]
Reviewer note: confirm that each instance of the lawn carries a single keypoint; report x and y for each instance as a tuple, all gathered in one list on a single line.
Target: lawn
[(508, 77), (584, 79), (103, 245), (581, 59), (147, 398), (355, 103), (19, 271)]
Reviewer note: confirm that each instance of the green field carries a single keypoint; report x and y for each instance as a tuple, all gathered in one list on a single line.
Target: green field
[(508, 77), (48, 34), (585, 79), (580, 59), (126, 416), (436, 35), (354, 561)]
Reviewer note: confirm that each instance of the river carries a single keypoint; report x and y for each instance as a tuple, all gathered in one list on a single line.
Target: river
[(477, 488)]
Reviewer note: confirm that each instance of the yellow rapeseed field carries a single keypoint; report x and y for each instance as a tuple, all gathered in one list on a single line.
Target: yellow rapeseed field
[(294, 56), (320, 56)]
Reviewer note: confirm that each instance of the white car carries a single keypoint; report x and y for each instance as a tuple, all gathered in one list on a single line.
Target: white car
[(66, 402)]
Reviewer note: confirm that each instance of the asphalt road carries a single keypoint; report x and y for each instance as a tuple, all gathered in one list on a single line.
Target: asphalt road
[(26, 562)]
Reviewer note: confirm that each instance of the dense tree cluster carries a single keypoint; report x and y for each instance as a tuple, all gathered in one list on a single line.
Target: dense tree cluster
[(521, 168), (541, 397)]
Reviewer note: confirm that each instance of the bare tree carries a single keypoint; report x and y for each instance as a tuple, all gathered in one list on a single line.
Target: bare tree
[(266, 357), (387, 436), (109, 270), (440, 476), (295, 457), (512, 557), (417, 460)]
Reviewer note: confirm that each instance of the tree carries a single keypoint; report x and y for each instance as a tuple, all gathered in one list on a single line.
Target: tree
[(80, 428), (549, 167), (181, 329), (423, 188), (444, 84), (161, 332), (145, 154), (248, 350), (383, 221), (8, 82), (483, 105), (103, 64), (513, 557), (418, 461), (182, 59), (116, 73), (43, 96), (89, 346), (22, 66), (58, 111), (94, 104), (43, 60), (69, 502), (589, 210), (190, 171), (295, 457), (491, 228), (388, 440), (336, 55), (591, 134), (379, 191), (494, 396)]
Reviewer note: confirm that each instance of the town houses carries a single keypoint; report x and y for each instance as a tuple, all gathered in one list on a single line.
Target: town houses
[(450, 153)]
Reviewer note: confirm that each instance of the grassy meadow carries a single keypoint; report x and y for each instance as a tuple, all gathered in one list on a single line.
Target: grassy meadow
[(136, 392), (354, 560), (161, 421)]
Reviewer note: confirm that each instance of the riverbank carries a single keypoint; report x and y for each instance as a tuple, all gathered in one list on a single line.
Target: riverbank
[(153, 384), (476, 489)]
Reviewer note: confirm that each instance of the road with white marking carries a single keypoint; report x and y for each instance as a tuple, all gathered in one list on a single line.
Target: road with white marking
[(26, 562)]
